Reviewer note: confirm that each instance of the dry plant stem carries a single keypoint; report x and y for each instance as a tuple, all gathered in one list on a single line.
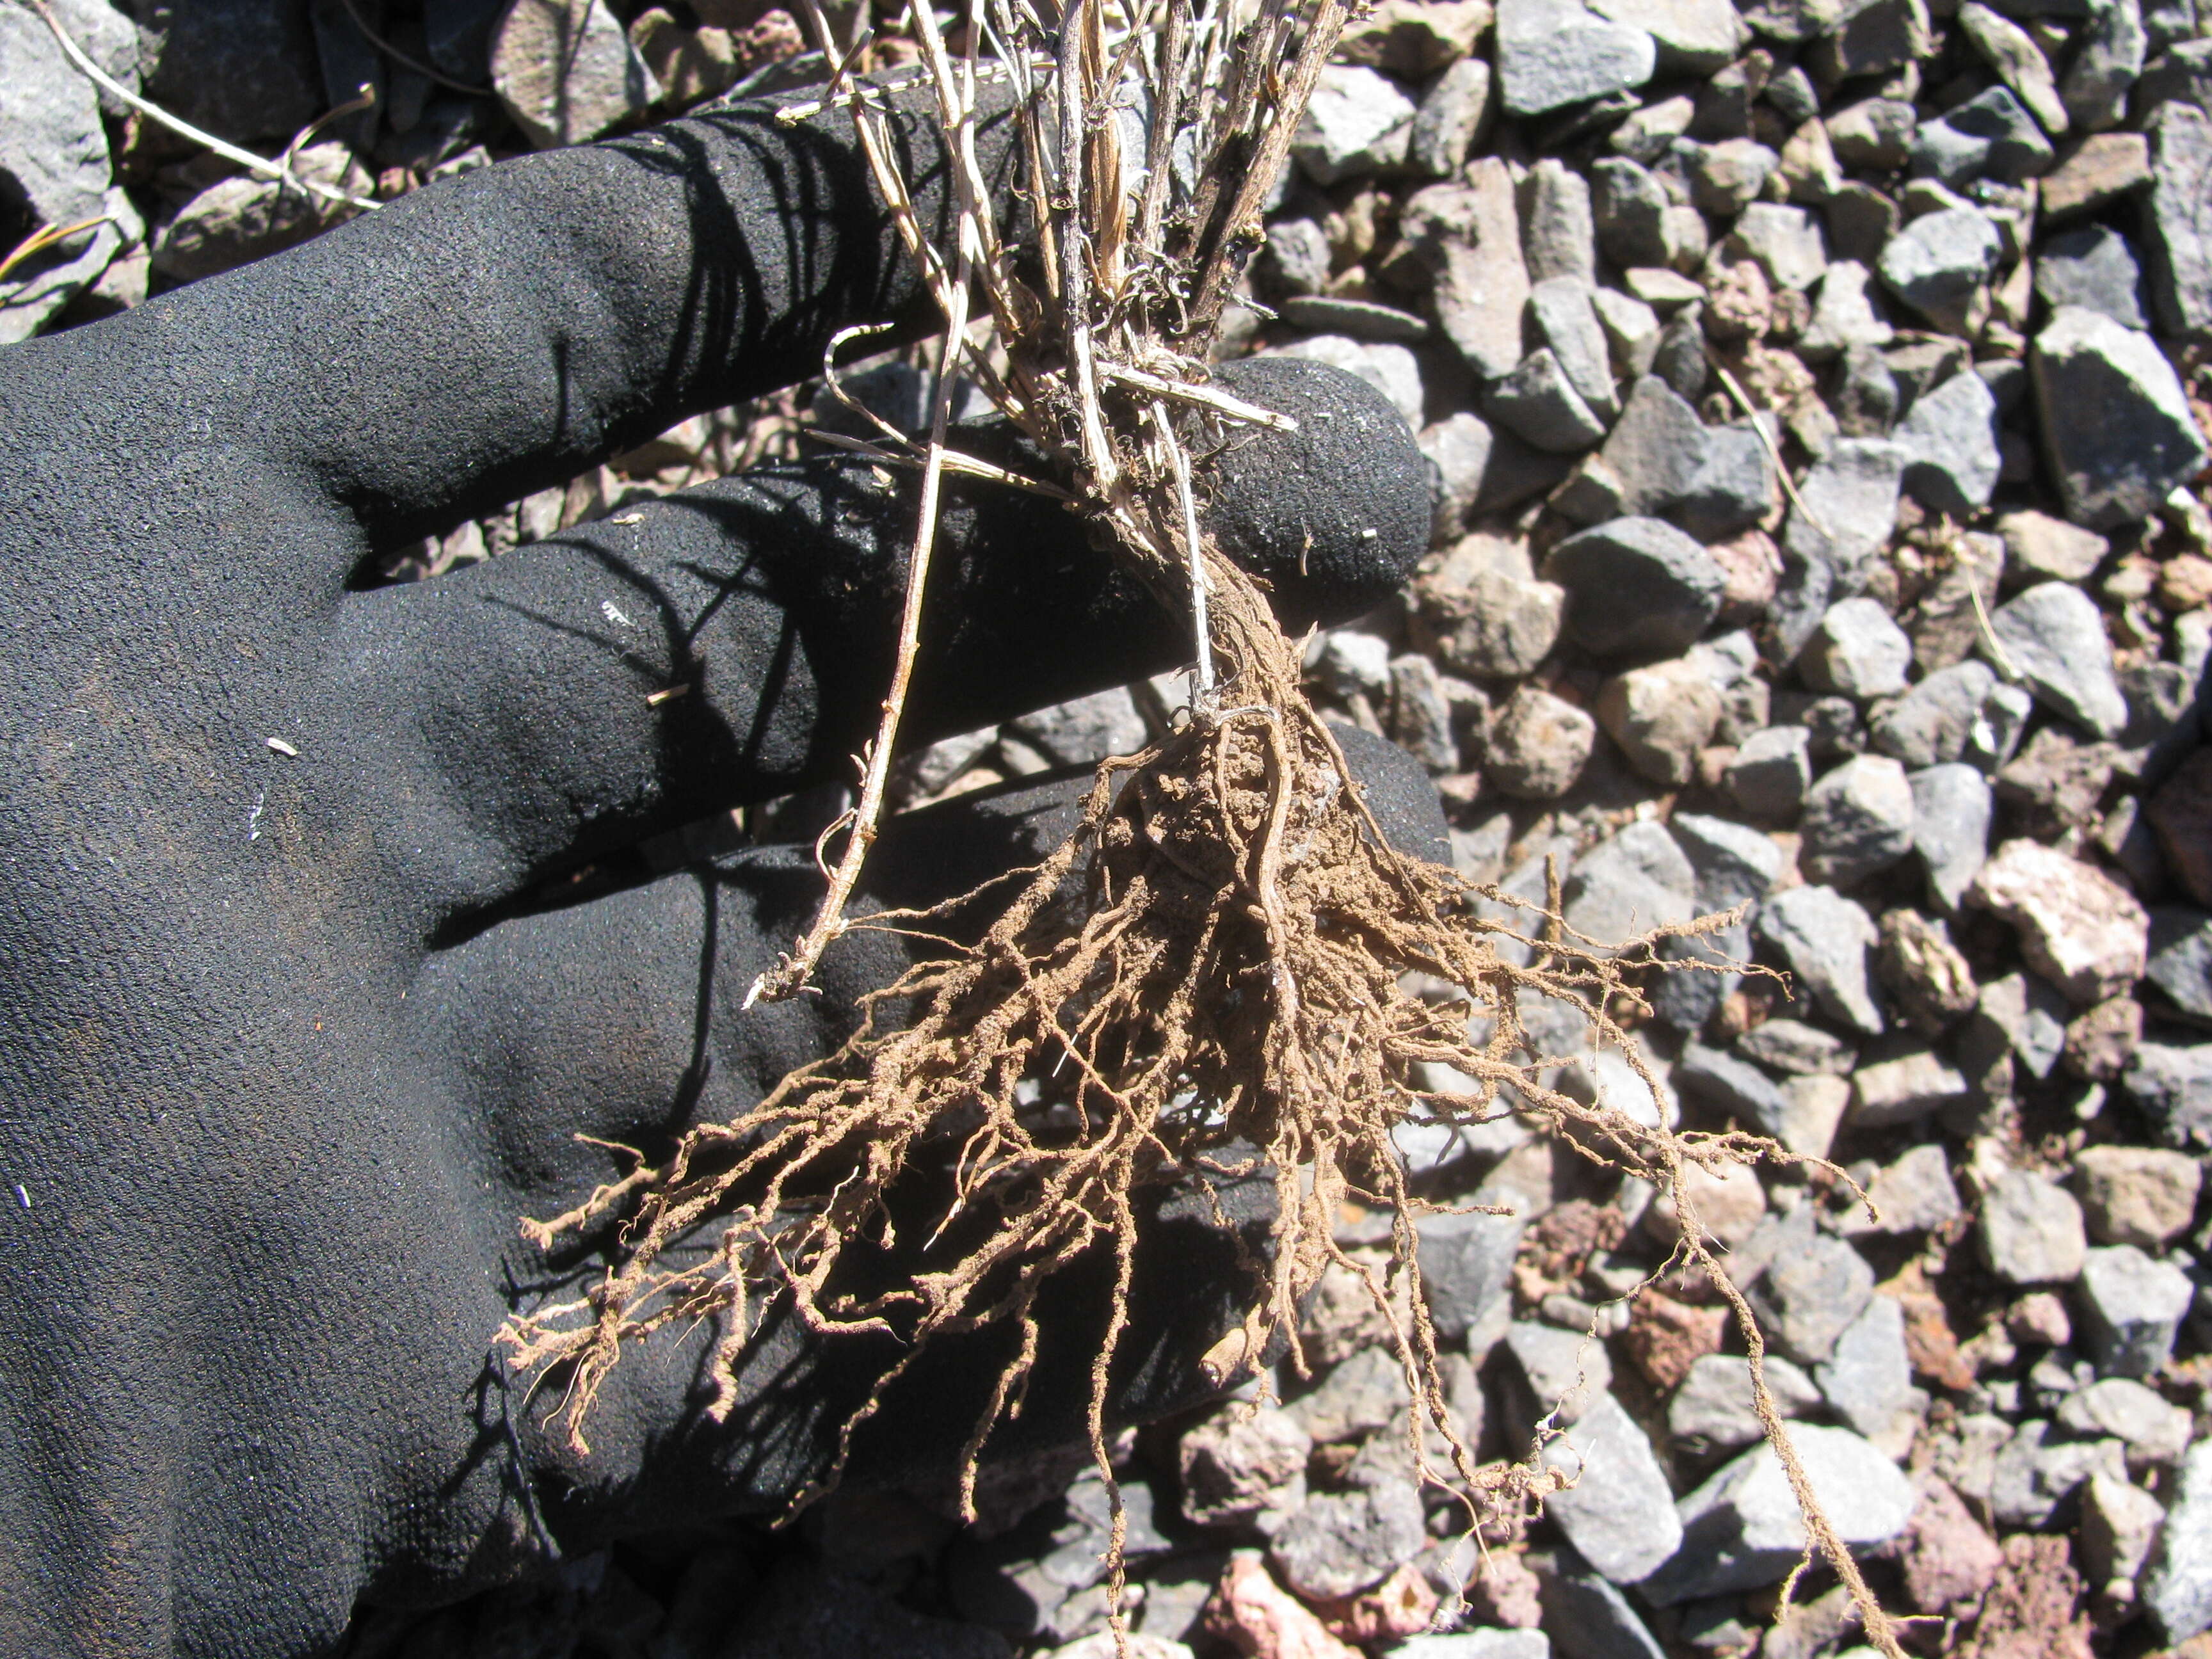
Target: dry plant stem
[(261, 166)]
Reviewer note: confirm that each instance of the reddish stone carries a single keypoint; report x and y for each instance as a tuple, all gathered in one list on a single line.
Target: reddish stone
[(1257, 1616), (1400, 1605), (1947, 1557), (2031, 1611), (1665, 1337), (1504, 1591), (1929, 1342)]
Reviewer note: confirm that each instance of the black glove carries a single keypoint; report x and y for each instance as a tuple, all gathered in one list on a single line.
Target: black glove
[(288, 1041)]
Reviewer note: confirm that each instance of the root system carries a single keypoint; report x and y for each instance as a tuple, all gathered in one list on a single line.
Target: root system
[(1213, 970)]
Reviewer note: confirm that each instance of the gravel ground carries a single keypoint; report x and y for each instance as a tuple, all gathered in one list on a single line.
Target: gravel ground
[(1816, 395)]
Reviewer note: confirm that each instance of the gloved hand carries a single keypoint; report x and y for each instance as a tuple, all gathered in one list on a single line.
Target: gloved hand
[(323, 935)]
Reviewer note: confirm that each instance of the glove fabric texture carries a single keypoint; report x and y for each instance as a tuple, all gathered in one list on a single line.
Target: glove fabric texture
[(323, 932)]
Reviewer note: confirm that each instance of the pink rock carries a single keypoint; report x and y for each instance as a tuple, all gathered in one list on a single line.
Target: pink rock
[(2078, 927), (1257, 1616), (1946, 1555), (1400, 1605)]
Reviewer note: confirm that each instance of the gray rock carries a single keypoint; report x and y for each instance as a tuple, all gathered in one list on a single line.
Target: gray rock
[(1458, 450), (2179, 1589), (1997, 729), (1681, 360), (1732, 862), (2053, 637), (1363, 320), (1877, 133), (1342, 1543), (1988, 136), (1453, 117), (1734, 489), (1631, 208), (1867, 397), (1725, 177), (1951, 439), (1363, 1392), (1845, 315), (1538, 745), (2171, 1083), (1350, 662), (1565, 1373), (1086, 730), (1743, 1529), (1619, 1514), (1555, 53), (1656, 449), (1824, 938), (54, 149), (1558, 234), (1694, 37), (2030, 1230), (1791, 1046), (2178, 219), (1629, 884), (1637, 585), (2120, 1523), (2034, 1476), (239, 69), (1856, 651), (2011, 51), (1786, 242), (1466, 1265), (2133, 1307), (1470, 232), (2028, 1018), (1358, 122), (1566, 318), (1391, 369), (2117, 427), (2181, 958), (567, 72), (1297, 257), (2095, 269), (1421, 715), (1952, 806), (1586, 1617), (1711, 1410), (1886, 35), (1928, 725), (1903, 1089), (1913, 1195), (1857, 820), (1868, 1378), (1605, 1078), (1937, 263), (1538, 402), (1770, 772), (1242, 1460), (2121, 1408), (2108, 57), (1809, 1296), (1852, 493), (1489, 1641), (1736, 1086), (1686, 999), (1631, 330)]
